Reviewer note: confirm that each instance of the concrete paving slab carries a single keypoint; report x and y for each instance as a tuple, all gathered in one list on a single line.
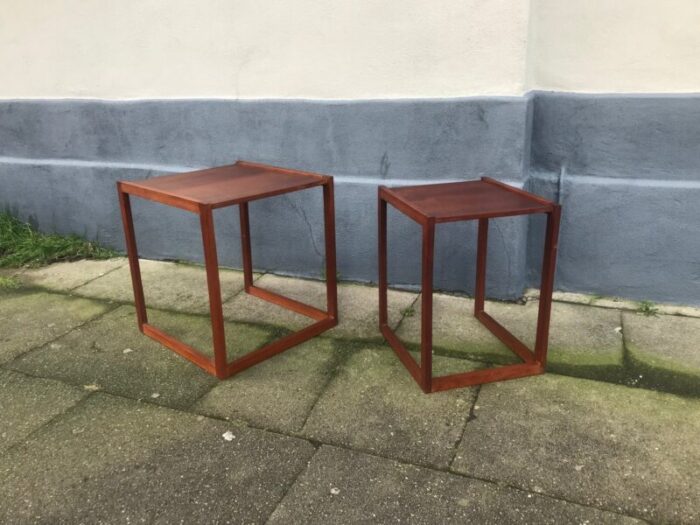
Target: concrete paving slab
[(167, 285), (65, 276), (27, 403), (374, 404), (112, 355), (111, 460), (28, 320), (623, 449), (583, 341), (279, 393), (358, 306), (456, 331), (344, 486), (664, 351), (10, 272), (616, 303), (246, 308)]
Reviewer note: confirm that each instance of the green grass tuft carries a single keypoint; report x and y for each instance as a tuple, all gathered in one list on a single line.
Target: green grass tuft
[(408, 312), (21, 245), (594, 298), (8, 283), (647, 308)]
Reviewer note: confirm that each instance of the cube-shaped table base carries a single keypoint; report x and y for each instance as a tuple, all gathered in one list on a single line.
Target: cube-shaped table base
[(450, 202), (201, 192)]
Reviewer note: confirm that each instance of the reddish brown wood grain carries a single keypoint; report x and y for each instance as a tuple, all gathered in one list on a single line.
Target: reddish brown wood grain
[(461, 201), (223, 185), (201, 192), (480, 200)]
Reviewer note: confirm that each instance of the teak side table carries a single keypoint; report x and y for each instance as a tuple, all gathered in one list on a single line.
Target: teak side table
[(462, 201), (201, 192)]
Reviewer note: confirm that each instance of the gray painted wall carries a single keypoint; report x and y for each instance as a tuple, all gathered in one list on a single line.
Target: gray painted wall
[(627, 170)]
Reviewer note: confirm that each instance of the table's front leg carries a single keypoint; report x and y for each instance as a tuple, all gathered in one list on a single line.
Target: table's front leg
[(547, 285), (133, 254), (211, 263)]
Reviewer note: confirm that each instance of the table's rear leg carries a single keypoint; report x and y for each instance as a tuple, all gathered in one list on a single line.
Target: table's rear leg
[(481, 255), (329, 234), (245, 246), (426, 331), (382, 248)]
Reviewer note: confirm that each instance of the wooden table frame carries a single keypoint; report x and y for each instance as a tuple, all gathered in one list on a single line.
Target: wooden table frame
[(219, 366), (534, 362)]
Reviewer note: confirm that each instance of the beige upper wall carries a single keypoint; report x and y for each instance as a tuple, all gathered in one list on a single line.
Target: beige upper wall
[(262, 48), (615, 45), (345, 49)]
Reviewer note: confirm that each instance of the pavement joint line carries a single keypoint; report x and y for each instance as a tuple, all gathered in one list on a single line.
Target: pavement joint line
[(470, 417), (626, 357), (404, 313), (317, 444), (256, 277), (498, 484), (76, 327), (293, 482), (502, 484), (48, 421), (378, 342), (339, 362), (119, 303), (124, 263), (623, 306), (274, 335)]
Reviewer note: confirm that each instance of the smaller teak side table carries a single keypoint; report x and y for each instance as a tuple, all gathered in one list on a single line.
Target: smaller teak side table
[(201, 192), (462, 201)]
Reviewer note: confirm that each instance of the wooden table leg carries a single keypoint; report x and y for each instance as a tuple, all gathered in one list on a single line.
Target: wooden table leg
[(426, 331), (246, 254), (329, 234), (211, 263), (133, 254), (481, 257), (382, 251), (548, 272)]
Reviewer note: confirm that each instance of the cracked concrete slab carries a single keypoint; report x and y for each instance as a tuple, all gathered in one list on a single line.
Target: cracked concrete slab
[(374, 404), (625, 449), (583, 341), (345, 486), (28, 320), (665, 351), (65, 276), (456, 331), (112, 460), (169, 285), (111, 354), (358, 306), (279, 393), (28, 403)]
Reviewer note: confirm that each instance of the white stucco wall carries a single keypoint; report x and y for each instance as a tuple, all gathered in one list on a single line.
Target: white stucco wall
[(335, 49), (615, 46), (345, 49)]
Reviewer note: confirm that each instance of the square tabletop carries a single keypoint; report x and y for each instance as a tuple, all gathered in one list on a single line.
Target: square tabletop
[(455, 201), (222, 186)]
